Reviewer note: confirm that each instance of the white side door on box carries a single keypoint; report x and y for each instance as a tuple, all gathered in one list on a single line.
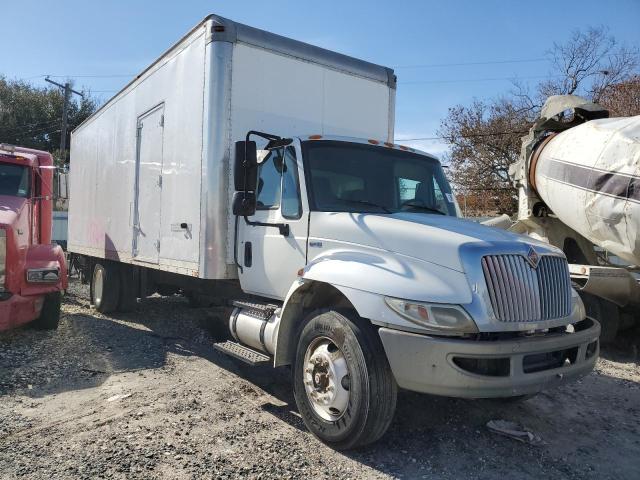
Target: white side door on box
[(148, 187)]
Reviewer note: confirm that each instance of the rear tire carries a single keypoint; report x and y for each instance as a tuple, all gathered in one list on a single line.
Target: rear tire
[(128, 299), (105, 287), (50, 314), (342, 382)]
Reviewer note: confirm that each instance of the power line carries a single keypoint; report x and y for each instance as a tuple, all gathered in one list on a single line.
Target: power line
[(466, 80), (475, 135), (33, 131), (27, 125), (85, 75), (460, 64)]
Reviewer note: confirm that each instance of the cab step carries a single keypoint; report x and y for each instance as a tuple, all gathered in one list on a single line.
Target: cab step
[(263, 311), (240, 352)]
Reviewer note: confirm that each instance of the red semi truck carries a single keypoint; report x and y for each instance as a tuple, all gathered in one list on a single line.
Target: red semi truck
[(33, 272)]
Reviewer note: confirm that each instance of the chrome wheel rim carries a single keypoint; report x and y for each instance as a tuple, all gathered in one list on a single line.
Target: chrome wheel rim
[(326, 379)]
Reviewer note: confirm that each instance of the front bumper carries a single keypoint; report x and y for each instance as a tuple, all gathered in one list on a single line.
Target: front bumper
[(17, 310), (490, 368)]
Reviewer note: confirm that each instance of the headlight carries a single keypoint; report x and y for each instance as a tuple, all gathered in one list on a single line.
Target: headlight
[(442, 318), (43, 275), (578, 310)]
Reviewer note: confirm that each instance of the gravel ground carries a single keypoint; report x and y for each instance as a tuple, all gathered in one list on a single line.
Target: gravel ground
[(143, 395)]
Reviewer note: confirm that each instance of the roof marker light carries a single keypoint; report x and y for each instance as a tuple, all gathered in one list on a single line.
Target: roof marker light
[(402, 147), (388, 144), (373, 142), (315, 137)]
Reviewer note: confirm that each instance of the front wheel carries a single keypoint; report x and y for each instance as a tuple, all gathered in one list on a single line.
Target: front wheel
[(342, 382), (49, 317)]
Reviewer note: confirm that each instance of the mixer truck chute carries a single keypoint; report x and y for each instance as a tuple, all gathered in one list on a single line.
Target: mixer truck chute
[(578, 180)]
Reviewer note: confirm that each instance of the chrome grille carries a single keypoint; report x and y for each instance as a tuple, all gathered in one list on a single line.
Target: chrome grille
[(521, 293)]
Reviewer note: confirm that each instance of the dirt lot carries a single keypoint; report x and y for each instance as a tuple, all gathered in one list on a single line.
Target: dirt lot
[(143, 395)]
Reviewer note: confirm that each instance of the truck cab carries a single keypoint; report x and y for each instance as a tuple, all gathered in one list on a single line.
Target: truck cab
[(32, 270), (376, 283)]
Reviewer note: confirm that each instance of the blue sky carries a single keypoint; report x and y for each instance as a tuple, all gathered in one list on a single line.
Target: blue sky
[(120, 38)]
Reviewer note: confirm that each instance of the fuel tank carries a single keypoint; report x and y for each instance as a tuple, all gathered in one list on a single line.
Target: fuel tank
[(589, 177)]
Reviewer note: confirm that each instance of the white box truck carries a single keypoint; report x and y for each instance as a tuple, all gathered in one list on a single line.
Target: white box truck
[(260, 171)]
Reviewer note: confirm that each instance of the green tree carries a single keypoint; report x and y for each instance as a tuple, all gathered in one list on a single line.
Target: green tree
[(32, 116)]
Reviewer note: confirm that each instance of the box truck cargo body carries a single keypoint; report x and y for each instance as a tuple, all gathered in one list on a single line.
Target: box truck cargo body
[(259, 173), (151, 169)]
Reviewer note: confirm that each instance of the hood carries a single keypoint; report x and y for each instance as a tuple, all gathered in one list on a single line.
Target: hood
[(435, 239), (10, 208)]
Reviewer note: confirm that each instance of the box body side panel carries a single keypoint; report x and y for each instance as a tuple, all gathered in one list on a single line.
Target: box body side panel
[(104, 152)]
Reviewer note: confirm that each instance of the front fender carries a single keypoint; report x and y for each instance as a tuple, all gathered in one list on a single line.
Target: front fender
[(364, 279)]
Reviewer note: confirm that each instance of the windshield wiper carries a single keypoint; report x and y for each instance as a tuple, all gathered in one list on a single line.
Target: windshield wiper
[(367, 202), (423, 207)]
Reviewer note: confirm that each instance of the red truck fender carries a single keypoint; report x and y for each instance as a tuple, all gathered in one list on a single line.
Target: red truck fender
[(45, 257)]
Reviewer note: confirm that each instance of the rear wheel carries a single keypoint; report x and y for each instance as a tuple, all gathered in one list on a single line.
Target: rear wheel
[(50, 314), (105, 287), (342, 382), (128, 299)]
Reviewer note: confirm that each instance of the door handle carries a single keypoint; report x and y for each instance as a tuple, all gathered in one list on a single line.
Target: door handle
[(248, 255)]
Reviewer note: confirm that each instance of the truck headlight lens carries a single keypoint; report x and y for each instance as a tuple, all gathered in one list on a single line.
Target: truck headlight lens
[(43, 275), (441, 318), (577, 308)]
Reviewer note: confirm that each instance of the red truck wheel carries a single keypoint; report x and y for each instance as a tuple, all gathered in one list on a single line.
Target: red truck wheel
[(50, 313)]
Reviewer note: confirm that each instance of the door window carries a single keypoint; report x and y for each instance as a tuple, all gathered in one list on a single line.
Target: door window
[(290, 205), (278, 183), (269, 179)]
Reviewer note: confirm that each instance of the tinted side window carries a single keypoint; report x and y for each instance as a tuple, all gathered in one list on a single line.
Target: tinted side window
[(290, 205), (269, 181)]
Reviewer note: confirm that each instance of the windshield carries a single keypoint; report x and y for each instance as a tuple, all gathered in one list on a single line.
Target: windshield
[(14, 180), (352, 177)]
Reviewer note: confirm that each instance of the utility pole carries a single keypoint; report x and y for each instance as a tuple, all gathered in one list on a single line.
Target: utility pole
[(65, 114)]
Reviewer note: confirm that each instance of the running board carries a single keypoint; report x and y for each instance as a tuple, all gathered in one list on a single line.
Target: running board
[(240, 352)]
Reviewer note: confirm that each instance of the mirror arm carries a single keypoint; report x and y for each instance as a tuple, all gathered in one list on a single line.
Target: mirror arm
[(283, 227)]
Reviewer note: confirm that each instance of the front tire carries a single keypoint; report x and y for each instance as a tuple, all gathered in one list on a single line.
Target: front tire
[(342, 382), (50, 314)]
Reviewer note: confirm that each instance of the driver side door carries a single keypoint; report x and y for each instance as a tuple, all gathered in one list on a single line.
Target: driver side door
[(270, 260)]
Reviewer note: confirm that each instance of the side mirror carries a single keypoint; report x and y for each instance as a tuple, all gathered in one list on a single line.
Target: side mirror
[(61, 187), (244, 204), (245, 169)]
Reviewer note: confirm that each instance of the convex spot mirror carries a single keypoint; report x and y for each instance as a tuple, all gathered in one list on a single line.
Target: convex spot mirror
[(245, 171), (244, 204)]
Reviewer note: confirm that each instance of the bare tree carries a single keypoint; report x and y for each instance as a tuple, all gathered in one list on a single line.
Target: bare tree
[(588, 64), (485, 136)]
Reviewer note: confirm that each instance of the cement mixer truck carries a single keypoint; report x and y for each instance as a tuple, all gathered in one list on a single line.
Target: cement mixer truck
[(578, 180)]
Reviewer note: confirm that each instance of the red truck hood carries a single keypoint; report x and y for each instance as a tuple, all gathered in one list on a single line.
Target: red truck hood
[(10, 209)]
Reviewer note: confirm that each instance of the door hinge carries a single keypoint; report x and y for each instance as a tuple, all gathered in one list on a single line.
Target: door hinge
[(160, 180), (162, 120), (157, 245)]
